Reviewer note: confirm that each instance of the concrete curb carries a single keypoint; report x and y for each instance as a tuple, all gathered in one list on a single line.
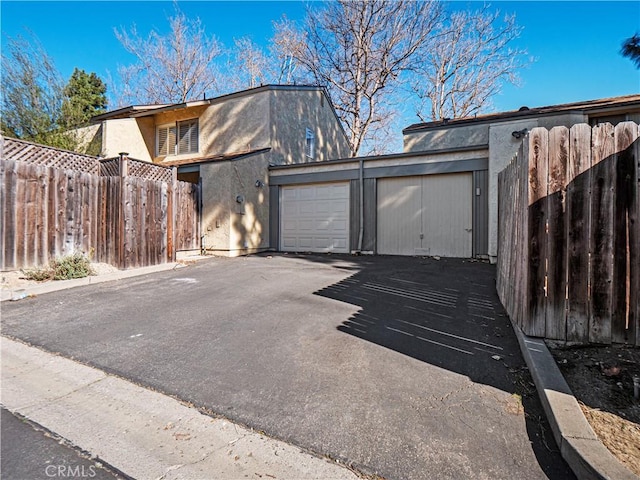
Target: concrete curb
[(55, 285), (579, 445)]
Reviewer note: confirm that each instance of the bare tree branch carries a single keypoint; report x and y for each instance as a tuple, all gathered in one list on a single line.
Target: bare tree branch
[(467, 64), (360, 51), (171, 68)]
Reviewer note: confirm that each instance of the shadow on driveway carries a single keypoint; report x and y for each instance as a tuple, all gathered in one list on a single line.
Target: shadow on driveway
[(446, 313)]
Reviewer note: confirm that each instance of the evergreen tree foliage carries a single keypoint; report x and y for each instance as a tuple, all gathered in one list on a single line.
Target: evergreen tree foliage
[(631, 49), (84, 97), (37, 106)]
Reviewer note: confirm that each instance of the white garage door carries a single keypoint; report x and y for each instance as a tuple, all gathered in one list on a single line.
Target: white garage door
[(425, 215), (315, 218)]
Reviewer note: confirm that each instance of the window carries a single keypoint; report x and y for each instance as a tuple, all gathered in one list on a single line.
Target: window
[(310, 143), (177, 138)]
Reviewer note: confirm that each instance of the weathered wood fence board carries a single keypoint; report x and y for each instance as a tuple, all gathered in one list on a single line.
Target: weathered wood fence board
[(578, 227), (569, 252), (538, 213), (122, 220)]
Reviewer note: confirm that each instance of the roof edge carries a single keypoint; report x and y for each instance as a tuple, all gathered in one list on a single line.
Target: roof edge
[(573, 107), (133, 111)]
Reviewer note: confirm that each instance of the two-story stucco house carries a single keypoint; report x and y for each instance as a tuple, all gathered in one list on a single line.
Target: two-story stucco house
[(227, 144)]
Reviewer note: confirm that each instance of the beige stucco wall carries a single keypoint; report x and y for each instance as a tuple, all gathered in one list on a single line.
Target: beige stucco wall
[(292, 112), (132, 135), (89, 138), (236, 124), (234, 228), (441, 138)]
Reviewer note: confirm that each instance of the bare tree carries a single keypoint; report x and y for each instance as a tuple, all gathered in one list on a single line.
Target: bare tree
[(467, 64), (360, 50), (249, 66), (285, 48), (175, 67)]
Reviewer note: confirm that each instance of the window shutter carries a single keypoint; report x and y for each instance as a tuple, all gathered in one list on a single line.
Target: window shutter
[(166, 141), (188, 137)]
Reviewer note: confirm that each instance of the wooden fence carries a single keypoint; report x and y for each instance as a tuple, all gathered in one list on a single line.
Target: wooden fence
[(125, 220), (569, 234)]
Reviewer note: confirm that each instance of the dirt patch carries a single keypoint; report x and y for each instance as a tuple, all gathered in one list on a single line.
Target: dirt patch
[(601, 378), (15, 279)]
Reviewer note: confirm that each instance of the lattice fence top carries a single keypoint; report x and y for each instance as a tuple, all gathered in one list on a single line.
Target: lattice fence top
[(150, 171), (110, 167), (22, 151)]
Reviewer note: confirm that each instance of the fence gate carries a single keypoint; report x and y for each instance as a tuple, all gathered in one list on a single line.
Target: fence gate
[(188, 215)]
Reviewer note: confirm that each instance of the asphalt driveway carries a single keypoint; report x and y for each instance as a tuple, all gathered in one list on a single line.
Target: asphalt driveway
[(402, 367)]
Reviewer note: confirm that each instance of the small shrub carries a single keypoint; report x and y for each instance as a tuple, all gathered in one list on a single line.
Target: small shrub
[(38, 274), (72, 266), (77, 265)]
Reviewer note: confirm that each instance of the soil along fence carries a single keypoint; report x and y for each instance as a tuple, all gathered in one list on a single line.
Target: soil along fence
[(569, 230), (128, 213)]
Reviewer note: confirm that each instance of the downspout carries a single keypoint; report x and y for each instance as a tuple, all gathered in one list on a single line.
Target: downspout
[(361, 180)]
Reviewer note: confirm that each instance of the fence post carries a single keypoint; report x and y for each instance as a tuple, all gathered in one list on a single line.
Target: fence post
[(172, 216), (122, 243)]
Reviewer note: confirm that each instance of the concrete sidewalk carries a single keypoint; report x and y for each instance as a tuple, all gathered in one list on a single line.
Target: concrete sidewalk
[(140, 432)]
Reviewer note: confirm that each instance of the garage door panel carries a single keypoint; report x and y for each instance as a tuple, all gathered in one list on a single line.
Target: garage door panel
[(399, 203), (290, 225), (305, 225), (340, 226), (339, 207), (322, 207), (315, 218), (340, 191)]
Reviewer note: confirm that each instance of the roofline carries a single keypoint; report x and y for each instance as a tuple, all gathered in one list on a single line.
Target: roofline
[(145, 110), (602, 105), (214, 158), (169, 108), (124, 111), (389, 156)]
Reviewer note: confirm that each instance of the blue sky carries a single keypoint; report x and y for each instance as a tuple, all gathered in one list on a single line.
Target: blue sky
[(576, 44)]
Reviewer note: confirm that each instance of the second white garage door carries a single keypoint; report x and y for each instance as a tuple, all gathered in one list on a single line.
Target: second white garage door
[(315, 218), (425, 215)]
